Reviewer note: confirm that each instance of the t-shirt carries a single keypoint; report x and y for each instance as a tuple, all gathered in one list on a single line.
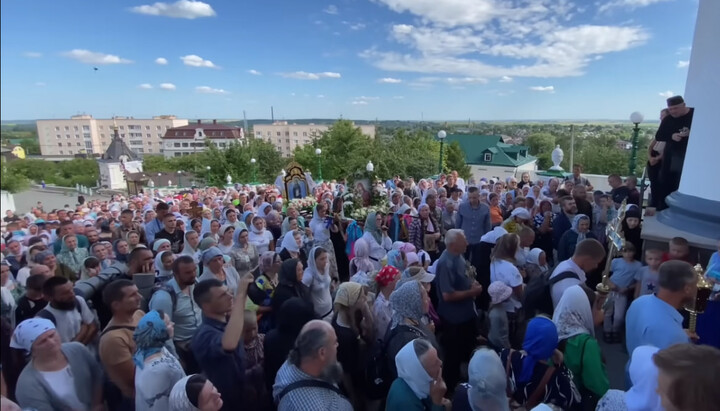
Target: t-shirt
[(319, 286), (623, 272), (648, 280), (619, 194), (559, 288), (62, 383), (116, 350), (505, 271), (177, 239), (155, 380), (69, 322), (451, 277)]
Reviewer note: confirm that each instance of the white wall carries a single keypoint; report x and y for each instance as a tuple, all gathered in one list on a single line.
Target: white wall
[(7, 201)]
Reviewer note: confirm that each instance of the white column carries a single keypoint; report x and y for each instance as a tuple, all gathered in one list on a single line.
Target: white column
[(702, 91)]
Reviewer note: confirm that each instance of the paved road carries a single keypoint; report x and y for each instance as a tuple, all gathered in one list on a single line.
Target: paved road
[(27, 199)]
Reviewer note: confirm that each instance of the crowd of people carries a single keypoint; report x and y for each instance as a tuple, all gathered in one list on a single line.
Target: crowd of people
[(473, 295)]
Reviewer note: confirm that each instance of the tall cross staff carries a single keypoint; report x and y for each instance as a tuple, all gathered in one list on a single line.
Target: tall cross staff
[(617, 242), (195, 210)]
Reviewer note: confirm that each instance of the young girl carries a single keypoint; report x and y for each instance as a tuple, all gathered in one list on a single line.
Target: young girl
[(499, 335), (622, 283)]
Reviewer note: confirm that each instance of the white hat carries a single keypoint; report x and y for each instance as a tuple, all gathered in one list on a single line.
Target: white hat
[(521, 213)]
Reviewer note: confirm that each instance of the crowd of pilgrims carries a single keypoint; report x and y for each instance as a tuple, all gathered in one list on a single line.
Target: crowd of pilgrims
[(149, 303)]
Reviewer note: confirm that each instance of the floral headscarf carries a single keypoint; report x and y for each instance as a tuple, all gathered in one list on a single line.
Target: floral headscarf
[(406, 302)]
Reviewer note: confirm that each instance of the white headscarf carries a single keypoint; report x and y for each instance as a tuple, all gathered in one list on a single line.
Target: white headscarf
[(288, 242), (533, 257), (488, 382), (492, 236), (573, 315), (28, 331), (411, 371), (644, 376), (161, 272), (178, 400)]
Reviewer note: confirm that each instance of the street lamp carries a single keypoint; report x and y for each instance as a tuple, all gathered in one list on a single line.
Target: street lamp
[(441, 136), (317, 153), (370, 167), (636, 118), (179, 173), (253, 161)]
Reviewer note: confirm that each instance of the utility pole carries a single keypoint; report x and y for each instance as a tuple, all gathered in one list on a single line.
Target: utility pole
[(572, 146)]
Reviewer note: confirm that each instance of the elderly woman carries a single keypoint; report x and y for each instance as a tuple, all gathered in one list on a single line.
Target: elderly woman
[(579, 231), (160, 245), (244, 255), (71, 255), (410, 303), (425, 232), (317, 279), (195, 393), (532, 378), (48, 258), (643, 396), (376, 238), (486, 388), (156, 370), (214, 267), (59, 376), (419, 384)]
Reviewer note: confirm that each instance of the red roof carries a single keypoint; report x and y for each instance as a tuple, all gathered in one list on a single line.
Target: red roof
[(212, 131)]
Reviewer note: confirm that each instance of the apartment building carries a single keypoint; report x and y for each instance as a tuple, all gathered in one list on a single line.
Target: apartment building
[(285, 137), (84, 134), (189, 139)]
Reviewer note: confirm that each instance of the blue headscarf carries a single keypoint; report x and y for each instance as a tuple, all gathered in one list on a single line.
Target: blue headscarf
[(395, 259), (541, 339), (150, 336), (354, 233)]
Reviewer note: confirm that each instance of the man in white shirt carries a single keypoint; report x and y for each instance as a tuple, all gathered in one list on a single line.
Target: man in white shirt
[(588, 254)]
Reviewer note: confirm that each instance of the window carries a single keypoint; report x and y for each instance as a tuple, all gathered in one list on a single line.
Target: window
[(147, 127), (287, 133), (259, 133), (139, 150), (287, 140), (77, 144), (199, 133), (136, 142), (86, 128), (178, 154), (304, 133), (122, 127), (295, 133), (159, 127), (159, 135), (148, 135), (102, 135), (122, 135), (488, 157), (150, 150), (149, 143), (297, 142), (86, 135), (88, 146), (279, 140), (306, 141), (176, 145), (59, 144), (278, 133), (67, 128), (77, 135), (100, 127), (67, 136), (70, 151), (58, 136), (61, 151), (184, 144), (57, 128), (76, 128)]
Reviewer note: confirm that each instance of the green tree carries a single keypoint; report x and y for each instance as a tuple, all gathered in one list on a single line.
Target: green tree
[(541, 146), (455, 160), (11, 180), (31, 146)]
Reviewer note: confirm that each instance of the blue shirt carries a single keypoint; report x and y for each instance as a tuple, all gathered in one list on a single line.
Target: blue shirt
[(647, 280), (226, 370), (451, 277), (474, 221), (152, 228), (185, 313), (652, 321), (624, 273)]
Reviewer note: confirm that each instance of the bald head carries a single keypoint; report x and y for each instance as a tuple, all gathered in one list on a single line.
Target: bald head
[(317, 342), (40, 269), (316, 325)]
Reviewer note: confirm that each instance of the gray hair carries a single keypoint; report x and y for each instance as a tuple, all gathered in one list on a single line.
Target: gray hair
[(452, 235), (674, 275), (421, 347), (307, 344)]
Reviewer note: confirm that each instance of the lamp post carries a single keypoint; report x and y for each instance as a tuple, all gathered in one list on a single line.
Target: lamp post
[(179, 174), (441, 136), (636, 118), (318, 152), (253, 161)]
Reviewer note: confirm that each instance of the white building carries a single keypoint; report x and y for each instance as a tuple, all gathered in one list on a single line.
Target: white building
[(118, 160), (189, 139), (84, 134), (285, 137)]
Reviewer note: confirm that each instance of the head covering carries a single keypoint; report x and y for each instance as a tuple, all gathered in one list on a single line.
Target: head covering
[(541, 339), (386, 275), (499, 292), (179, 400), (361, 262), (266, 260), (576, 223), (150, 336), (236, 236), (312, 264), (348, 294), (372, 228), (411, 370), (41, 256), (28, 331), (411, 258), (395, 259), (415, 274), (206, 243), (292, 316), (406, 302), (262, 212), (209, 254), (224, 228), (159, 242), (492, 236), (644, 376), (533, 257), (161, 271), (488, 382), (674, 101), (521, 212), (573, 315), (118, 256), (289, 243), (187, 248), (288, 273)]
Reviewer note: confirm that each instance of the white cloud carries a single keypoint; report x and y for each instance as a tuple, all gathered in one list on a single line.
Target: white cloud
[(453, 80), (331, 9), (666, 94), (197, 61), (210, 90), (40, 84), (359, 103), (547, 89), (466, 38), (255, 72), (627, 4), (367, 98), (320, 96), (354, 26), (363, 100), (32, 54), (506, 79), (91, 57), (683, 63), (167, 86), (390, 80), (145, 86), (398, 97), (304, 75), (182, 9), (161, 61)]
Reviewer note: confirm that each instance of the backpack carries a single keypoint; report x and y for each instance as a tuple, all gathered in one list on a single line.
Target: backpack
[(377, 372), (171, 291), (44, 313), (538, 298)]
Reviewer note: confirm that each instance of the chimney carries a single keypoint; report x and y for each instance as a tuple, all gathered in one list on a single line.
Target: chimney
[(214, 121), (199, 121)]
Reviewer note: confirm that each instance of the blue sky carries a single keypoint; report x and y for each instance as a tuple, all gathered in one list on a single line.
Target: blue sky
[(362, 59)]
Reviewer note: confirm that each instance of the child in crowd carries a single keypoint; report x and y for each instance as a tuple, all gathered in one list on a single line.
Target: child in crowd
[(647, 276), (622, 281), (678, 249), (536, 264), (499, 334)]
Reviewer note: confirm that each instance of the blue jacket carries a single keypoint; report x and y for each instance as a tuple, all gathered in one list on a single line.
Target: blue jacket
[(402, 397), (560, 225)]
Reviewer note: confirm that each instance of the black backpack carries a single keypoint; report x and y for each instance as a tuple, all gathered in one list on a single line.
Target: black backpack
[(377, 372), (538, 299)]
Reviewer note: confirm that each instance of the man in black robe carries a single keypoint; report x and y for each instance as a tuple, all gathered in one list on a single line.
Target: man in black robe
[(674, 131)]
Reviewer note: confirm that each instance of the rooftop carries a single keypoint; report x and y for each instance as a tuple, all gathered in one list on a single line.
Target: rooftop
[(211, 130), (501, 154)]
